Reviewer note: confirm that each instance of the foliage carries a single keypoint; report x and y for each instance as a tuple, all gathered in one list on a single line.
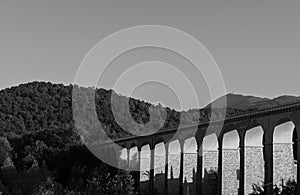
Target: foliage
[(48, 187), (5, 148), (285, 188), (44, 167), (121, 183), (39, 106), (27, 180), (3, 190), (210, 182), (103, 183), (171, 173)]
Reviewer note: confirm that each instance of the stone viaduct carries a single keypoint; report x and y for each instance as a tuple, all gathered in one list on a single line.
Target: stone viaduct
[(267, 119)]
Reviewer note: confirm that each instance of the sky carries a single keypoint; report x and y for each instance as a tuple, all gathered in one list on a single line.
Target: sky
[(255, 44)]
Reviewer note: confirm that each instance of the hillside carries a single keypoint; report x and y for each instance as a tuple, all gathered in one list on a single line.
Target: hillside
[(39, 106), (241, 102)]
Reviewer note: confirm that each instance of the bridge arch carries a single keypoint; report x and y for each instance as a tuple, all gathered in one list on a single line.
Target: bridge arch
[(254, 156), (283, 146), (145, 162), (284, 119), (174, 152), (159, 167), (158, 140), (230, 162), (133, 158), (190, 158), (210, 147), (144, 143), (228, 128)]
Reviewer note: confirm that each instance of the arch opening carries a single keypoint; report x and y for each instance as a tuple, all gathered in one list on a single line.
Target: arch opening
[(230, 163), (145, 169), (133, 158), (159, 168), (145, 163), (210, 164), (189, 164), (174, 166), (283, 154), (254, 161), (123, 161)]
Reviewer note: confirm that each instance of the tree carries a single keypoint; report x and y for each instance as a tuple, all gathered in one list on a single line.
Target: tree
[(5, 149), (285, 188), (210, 182), (49, 187), (171, 173)]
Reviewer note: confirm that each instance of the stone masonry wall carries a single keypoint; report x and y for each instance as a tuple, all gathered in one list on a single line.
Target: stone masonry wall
[(284, 166)]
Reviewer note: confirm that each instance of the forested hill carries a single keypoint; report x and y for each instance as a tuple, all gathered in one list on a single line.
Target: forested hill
[(39, 106), (34, 107)]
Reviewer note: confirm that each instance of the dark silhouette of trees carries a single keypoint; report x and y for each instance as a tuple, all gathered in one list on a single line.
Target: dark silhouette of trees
[(171, 173), (209, 182), (287, 187)]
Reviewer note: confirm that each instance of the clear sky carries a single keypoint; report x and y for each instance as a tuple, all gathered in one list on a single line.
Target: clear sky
[(254, 42)]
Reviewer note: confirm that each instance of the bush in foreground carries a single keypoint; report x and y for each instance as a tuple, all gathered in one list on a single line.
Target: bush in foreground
[(285, 188)]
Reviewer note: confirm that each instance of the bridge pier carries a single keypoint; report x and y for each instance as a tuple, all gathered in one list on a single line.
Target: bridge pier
[(181, 168), (298, 166), (199, 141), (242, 133), (151, 178), (297, 126), (199, 170), (128, 158), (268, 157), (220, 155), (166, 169), (138, 181)]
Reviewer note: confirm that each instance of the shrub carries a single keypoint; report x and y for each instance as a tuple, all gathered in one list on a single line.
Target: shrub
[(285, 188)]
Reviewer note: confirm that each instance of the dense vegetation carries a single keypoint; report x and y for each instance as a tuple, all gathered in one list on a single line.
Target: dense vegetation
[(285, 188), (38, 106), (40, 150), (55, 162)]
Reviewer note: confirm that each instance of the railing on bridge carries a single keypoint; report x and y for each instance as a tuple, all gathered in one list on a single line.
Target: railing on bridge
[(291, 107)]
